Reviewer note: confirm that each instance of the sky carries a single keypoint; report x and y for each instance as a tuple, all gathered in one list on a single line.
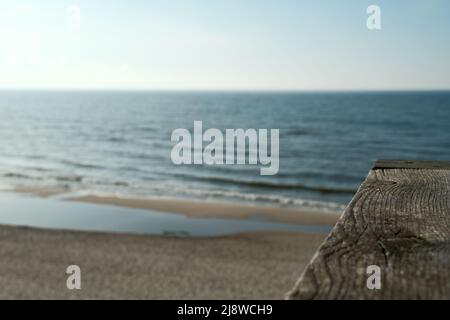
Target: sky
[(224, 45)]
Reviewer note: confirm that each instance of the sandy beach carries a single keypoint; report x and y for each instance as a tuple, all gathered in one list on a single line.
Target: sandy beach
[(246, 266)]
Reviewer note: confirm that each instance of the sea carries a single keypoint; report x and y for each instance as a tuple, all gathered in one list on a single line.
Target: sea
[(118, 143)]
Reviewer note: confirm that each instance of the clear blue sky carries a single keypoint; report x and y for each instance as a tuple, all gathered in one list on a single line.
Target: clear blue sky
[(224, 44)]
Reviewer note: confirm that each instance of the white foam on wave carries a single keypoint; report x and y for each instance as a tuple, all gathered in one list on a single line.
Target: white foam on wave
[(172, 190), (162, 192)]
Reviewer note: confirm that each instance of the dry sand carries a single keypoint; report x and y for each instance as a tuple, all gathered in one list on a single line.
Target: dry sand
[(246, 266)]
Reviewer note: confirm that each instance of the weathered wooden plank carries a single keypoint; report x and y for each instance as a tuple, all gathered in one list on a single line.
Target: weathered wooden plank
[(399, 220), (405, 164)]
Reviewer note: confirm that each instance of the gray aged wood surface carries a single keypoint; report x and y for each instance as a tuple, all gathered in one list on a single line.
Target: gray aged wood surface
[(398, 220)]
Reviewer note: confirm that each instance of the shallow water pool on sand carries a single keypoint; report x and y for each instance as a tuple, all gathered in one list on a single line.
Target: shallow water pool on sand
[(25, 210)]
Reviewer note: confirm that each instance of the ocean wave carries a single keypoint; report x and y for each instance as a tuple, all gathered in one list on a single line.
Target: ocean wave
[(91, 186), (14, 175), (270, 185), (226, 196), (39, 169), (330, 176), (301, 131), (69, 178), (146, 129), (116, 139), (253, 197), (81, 165), (78, 179)]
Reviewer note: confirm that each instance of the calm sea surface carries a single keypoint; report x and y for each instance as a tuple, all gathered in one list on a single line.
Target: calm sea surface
[(118, 143)]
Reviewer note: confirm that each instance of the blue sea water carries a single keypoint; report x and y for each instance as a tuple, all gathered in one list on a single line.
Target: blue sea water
[(118, 143)]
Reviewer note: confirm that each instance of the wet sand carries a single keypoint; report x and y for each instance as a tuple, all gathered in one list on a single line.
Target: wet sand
[(262, 265), (207, 209)]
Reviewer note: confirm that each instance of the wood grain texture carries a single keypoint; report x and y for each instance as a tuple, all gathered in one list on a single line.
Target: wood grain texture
[(399, 220), (405, 164)]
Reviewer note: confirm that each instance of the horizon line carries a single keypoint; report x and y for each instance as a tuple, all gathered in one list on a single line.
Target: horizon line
[(168, 90)]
